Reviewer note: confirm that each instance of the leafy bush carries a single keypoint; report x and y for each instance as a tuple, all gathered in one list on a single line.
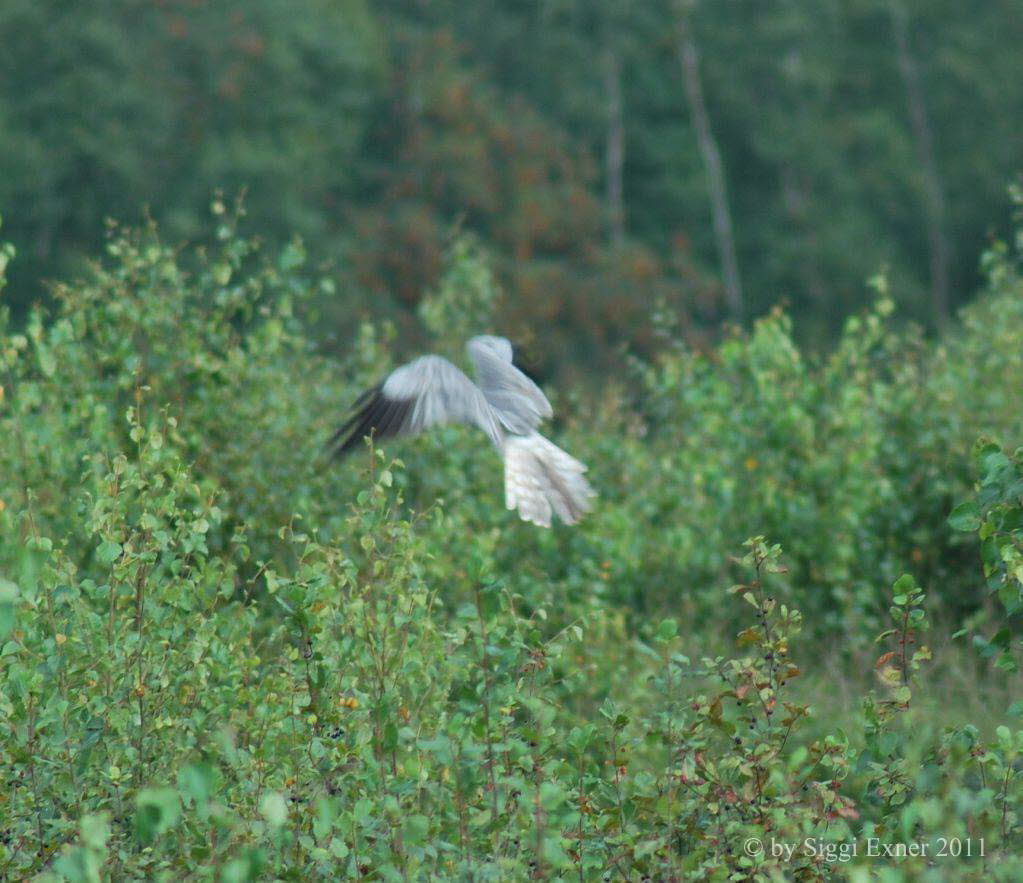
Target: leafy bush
[(226, 658), (996, 512)]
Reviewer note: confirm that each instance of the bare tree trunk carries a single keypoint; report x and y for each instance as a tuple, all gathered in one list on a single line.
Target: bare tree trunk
[(940, 251), (690, 62), (615, 148)]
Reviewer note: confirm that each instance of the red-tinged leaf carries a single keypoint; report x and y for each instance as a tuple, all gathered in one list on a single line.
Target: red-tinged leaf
[(714, 712), (748, 636), (883, 658), (848, 811)]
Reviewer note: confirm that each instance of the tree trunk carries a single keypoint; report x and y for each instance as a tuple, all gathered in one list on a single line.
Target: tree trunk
[(615, 148), (939, 248), (690, 62)]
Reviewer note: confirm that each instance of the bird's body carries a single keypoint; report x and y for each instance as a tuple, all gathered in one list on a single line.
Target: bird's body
[(540, 478)]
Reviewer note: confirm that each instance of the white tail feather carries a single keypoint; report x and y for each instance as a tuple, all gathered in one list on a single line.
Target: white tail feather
[(541, 479)]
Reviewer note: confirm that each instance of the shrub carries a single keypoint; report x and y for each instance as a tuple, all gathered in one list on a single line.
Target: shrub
[(996, 513), (225, 658)]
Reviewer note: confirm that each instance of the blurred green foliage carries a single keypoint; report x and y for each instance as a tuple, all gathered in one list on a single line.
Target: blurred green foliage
[(109, 107), (372, 129), (225, 657), (996, 513)]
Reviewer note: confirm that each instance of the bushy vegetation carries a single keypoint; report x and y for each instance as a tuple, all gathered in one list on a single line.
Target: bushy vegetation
[(225, 657), (859, 135)]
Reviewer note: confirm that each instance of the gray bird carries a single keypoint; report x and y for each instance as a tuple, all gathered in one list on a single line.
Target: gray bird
[(540, 479)]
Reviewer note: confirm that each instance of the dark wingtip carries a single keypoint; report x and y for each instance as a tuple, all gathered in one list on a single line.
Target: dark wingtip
[(340, 440), (373, 415)]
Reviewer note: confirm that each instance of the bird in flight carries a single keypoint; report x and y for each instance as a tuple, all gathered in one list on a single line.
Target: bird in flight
[(540, 479)]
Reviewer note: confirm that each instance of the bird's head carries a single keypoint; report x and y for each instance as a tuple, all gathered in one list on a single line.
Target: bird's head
[(490, 343)]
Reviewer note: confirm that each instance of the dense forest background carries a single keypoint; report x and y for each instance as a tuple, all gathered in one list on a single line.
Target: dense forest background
[(721, 157)]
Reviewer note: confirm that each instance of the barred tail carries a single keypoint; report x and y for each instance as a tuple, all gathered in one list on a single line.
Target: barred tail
[(540, 478)]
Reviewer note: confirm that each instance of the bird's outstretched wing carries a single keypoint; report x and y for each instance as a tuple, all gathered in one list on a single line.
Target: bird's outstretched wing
[(426, 392), (519, 403)]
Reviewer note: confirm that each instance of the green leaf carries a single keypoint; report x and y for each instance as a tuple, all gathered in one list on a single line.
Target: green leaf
[(95, 830), (667, 630), (108, 552), (904, 584), (195, 783), (47, 363), (417, 827), (245, 869), (552, 796), (1004, 735), (274, 808), (363, 809), (157, 809), (78, 865), (292, 257), (965, 517), (323, 820), (8, 596), (222, 273)]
